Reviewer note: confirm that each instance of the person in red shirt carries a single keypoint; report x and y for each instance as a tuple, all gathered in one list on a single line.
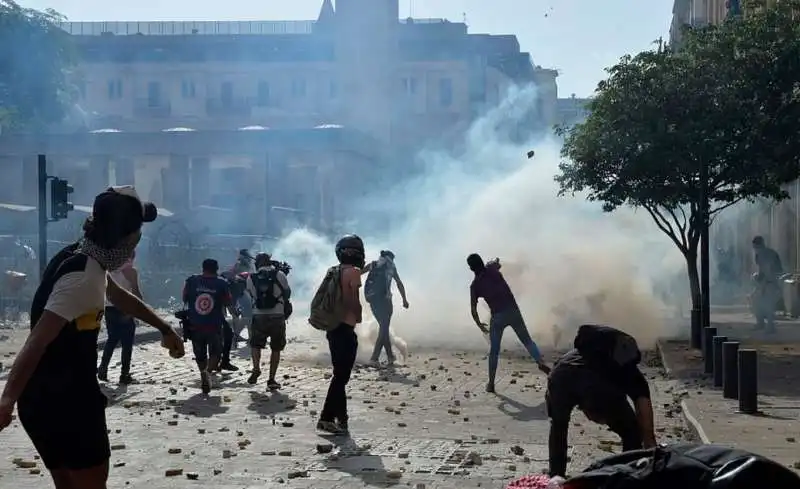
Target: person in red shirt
[(490, 285)]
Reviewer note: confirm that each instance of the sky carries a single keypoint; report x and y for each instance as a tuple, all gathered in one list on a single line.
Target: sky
[(579, 38)]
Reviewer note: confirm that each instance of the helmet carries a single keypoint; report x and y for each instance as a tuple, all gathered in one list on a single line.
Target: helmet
[(350, 250)]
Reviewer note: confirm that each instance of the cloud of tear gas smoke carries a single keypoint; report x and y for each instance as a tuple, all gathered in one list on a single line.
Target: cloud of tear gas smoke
[(566, 260)]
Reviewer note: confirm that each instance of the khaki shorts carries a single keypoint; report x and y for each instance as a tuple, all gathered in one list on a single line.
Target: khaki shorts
[(272, 327)]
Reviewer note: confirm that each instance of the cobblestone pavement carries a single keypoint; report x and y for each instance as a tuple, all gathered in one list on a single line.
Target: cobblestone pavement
[(775, 431), (425, 425)]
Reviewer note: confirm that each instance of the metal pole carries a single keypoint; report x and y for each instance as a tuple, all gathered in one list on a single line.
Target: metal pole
[(42, 171), (705, 307)]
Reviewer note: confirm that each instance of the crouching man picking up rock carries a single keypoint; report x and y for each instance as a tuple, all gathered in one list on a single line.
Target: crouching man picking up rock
[(598, 376)]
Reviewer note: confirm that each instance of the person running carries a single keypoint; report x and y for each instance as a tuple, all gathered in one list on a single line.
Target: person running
[(206, 296), (378, 292), (53, 381), (490, 285), (342, 339), (121, 327), (598, 376), (270, 292)]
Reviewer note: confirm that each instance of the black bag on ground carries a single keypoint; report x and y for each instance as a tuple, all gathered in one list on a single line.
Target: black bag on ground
[(607, 344), (686, 466)]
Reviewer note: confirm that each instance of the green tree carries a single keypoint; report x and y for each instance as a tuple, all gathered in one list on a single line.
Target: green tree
[(36, 58), (729, 99)]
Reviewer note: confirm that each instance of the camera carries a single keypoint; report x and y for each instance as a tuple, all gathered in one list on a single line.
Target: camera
[(282, 266)]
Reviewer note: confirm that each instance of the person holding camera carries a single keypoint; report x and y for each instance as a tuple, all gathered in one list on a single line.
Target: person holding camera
[(269, 290)]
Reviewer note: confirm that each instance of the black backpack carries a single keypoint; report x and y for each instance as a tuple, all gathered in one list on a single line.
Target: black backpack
[(264, 282), (607, 345), (685, 466), (376, 288)]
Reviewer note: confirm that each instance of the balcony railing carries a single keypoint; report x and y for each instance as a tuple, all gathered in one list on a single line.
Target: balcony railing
[(143, 107), (239, 106)]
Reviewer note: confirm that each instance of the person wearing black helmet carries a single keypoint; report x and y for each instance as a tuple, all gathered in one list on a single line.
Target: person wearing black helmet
[(53, 381), (342, 340), (206, 296)]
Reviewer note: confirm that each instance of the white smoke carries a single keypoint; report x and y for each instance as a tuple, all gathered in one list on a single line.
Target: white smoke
[(566, 260)]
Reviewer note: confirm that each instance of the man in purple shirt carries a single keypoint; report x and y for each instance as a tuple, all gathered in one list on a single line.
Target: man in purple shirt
[(490, 285)]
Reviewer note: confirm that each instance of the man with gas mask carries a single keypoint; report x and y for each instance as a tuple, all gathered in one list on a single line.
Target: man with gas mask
[(53, 381)]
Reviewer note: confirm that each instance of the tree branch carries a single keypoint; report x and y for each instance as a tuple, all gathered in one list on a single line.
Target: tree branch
[(680, 224), (715, 212), (666, 227)]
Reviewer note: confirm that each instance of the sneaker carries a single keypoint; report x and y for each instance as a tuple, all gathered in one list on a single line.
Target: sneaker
[(253, 379), (273, 385), (205, 382), (344, 429), (228, 366), (102, 374), (490, 388), (126, 379), (330, 427)]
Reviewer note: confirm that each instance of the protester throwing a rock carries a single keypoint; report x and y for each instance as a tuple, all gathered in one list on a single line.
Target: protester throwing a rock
[(490, 285), (336, 309), (53, 381), (597, 377), (270, 293)]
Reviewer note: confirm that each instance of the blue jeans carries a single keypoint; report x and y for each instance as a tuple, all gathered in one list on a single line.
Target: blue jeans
[(500, 320), (382, 310), (121, 330)]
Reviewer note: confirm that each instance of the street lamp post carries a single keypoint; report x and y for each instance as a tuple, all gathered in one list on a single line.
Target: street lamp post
[(705, 308)]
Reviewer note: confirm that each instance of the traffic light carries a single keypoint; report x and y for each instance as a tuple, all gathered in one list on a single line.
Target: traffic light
[(59, 198)]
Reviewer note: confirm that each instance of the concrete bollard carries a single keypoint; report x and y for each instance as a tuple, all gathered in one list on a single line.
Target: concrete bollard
[(730, 370), (748, 381), (708, 353), (716, 356)]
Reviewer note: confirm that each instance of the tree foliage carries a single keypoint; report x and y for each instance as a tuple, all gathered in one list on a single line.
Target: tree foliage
[(36, 58), (728, 99)]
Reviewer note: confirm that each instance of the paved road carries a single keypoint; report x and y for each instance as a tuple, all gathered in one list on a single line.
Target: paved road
[(429, 424)]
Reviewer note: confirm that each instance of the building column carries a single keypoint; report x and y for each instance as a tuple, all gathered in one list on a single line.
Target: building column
[(200, 178), (125, 171), (97, 180), (11, 168), (30, 180), (176, 183)]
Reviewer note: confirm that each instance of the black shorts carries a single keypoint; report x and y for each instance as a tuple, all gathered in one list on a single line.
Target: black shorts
[(206, 343), (68, 432), (272, 327)]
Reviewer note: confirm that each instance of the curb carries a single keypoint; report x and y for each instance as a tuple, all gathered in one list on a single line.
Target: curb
[(690, 418)]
